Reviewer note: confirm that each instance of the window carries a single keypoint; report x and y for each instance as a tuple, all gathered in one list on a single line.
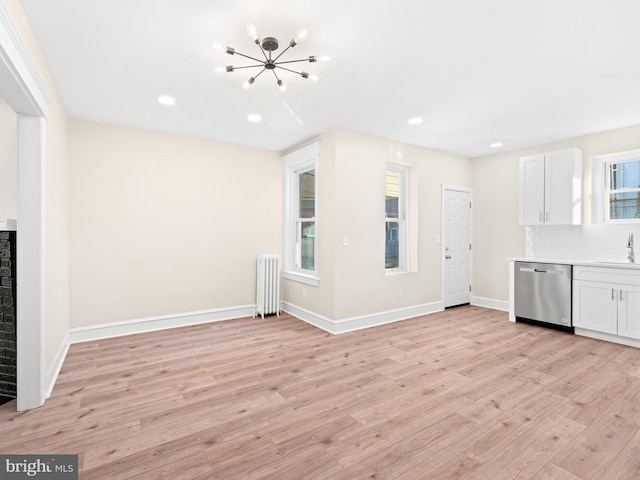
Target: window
[(300, 170), (622, 190), (395, 217), (305, 219), (617, 187)]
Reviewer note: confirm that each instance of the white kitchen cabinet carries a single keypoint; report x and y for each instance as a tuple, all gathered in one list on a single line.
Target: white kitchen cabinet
[(551, 188), (595, 306), (629, 311), (607, 300)]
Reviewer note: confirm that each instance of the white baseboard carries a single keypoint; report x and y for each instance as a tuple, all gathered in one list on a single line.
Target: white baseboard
[(490, 303), (629, 342), (361, 322), (151, 324), (382, 318), (56, 366)]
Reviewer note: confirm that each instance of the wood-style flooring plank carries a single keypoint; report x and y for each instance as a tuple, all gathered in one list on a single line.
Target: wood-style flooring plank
[(461, 394)]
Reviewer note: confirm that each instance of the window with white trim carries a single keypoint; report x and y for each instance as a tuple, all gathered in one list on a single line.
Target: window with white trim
[(617, 187), (301, 248), (395, 218), (622, 190), (305, 219)]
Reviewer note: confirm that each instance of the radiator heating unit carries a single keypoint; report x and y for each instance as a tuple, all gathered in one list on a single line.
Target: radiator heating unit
[(268, 285)]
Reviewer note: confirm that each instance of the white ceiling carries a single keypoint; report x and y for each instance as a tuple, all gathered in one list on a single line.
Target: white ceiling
[(520, 72)]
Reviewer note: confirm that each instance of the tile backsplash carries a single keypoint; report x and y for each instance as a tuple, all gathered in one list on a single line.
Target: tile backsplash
[(581, 242)]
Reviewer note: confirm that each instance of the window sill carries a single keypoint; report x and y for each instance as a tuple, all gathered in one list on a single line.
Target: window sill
[(622, 221), (392, 273), (302, 278)]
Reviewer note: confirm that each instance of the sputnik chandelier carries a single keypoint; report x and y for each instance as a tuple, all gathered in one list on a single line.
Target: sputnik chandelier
[(267, 46)]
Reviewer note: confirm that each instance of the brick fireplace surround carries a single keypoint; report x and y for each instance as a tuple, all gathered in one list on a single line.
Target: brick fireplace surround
[(8, 374)]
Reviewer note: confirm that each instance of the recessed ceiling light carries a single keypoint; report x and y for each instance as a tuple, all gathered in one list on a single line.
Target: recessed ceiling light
[(496, 145), (415, 121), (166, 100), (254, 118)]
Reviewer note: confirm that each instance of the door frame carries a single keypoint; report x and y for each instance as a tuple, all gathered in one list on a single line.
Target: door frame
[(443, 271), (26, 93)]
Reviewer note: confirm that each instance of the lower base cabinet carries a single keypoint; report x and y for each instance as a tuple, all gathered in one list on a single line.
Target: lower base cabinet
[(629, 311), (607, 300)]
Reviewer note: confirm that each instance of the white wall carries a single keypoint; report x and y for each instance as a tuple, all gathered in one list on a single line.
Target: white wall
[(164, 224), (496, 231), (353, 281), (8, 162)]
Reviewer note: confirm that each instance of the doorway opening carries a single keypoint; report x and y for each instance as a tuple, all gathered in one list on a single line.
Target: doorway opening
[(26, 93)]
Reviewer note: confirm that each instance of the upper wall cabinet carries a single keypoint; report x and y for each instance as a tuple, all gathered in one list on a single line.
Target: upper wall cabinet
[(551, 188)]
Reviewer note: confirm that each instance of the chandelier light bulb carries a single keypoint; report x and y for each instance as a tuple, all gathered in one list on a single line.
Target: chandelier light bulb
[(299, 36), (248, 83), (252, 31), (281, 84), (302, 33)]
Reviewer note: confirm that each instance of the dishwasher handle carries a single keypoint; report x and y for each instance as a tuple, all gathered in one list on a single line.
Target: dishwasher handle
[(538, 270)]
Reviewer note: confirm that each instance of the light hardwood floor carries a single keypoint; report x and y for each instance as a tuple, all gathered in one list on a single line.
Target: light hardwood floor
[(459, 394)]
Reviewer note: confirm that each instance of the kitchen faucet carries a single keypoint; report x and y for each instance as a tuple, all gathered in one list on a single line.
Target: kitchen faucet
[(632, 256)]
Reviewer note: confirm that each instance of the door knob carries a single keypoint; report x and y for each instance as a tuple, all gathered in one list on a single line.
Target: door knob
[(448, 257)]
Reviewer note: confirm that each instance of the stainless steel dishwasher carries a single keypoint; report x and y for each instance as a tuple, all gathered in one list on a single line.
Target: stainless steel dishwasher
[(543, 294)]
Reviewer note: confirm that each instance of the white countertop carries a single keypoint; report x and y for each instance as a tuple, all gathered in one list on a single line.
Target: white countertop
[(581, 262)]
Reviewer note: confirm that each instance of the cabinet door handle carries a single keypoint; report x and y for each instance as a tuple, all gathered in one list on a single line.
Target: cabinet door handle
[(621, 295), (546, 216), (540, 216), (613, 294)]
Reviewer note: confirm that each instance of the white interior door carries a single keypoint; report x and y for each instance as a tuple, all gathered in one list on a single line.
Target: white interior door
[(457, 246)]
